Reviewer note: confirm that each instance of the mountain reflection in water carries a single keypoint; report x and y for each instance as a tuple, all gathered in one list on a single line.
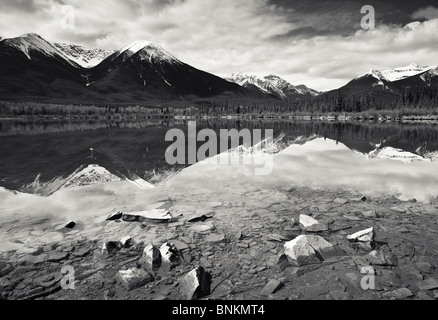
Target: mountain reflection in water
[(355, 155)]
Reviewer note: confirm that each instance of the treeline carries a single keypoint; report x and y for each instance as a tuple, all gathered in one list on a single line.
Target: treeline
[(80, 111), (338, 102), (415, 102)]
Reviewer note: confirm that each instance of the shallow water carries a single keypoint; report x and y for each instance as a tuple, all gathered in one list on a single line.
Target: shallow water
[(317, 155), (55, 148)]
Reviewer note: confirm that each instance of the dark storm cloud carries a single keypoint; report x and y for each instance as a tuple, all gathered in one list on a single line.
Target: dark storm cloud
[(426, 13), (342, 17)]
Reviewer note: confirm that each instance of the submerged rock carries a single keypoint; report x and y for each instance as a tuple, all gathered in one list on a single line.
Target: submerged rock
[(134, 278), (307, 249), (215, 238), (196, 284), (201, 228), (340, 201), (370, 214), (151, 258)]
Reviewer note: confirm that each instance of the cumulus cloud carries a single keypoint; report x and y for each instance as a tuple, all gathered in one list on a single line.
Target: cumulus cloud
[(318, 43)]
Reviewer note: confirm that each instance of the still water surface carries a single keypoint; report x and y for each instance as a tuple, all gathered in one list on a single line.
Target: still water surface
[(364, 156)]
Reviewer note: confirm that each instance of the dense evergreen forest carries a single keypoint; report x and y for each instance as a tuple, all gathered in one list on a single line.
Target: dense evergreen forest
[(415, 102)]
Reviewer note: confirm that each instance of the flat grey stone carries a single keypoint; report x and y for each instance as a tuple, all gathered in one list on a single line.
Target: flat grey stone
[(271, 287), (57, 256), (428, 284)]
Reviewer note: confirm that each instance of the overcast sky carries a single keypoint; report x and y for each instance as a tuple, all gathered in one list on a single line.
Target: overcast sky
[(319, 43)]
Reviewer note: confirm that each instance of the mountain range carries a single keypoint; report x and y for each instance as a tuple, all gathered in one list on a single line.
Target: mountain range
[(388, 85), (273, 85), (32, 68)]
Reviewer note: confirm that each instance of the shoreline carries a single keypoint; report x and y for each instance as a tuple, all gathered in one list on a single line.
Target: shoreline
[(241, 245), (432, 119)]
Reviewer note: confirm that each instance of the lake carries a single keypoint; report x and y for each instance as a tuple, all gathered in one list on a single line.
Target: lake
[(52, 149)]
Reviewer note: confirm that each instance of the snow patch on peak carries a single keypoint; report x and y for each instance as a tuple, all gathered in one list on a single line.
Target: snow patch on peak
[(404, 72), (32, 41), (84, 57), (136, 46), (376, 74), (434, 70), (396, 74), (147, 51)]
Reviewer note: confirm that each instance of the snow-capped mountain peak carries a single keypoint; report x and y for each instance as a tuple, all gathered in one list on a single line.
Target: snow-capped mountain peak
[(147, 50), (404, 72), (86, 58), (272, 84), (396, 74), (375, 74), (136, 46), (266, 85), (31, 41)]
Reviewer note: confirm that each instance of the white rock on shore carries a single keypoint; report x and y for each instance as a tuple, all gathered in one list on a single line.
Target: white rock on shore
[(311, 224), (134, 278), (366, 235), (307, 221), (307, 249)]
